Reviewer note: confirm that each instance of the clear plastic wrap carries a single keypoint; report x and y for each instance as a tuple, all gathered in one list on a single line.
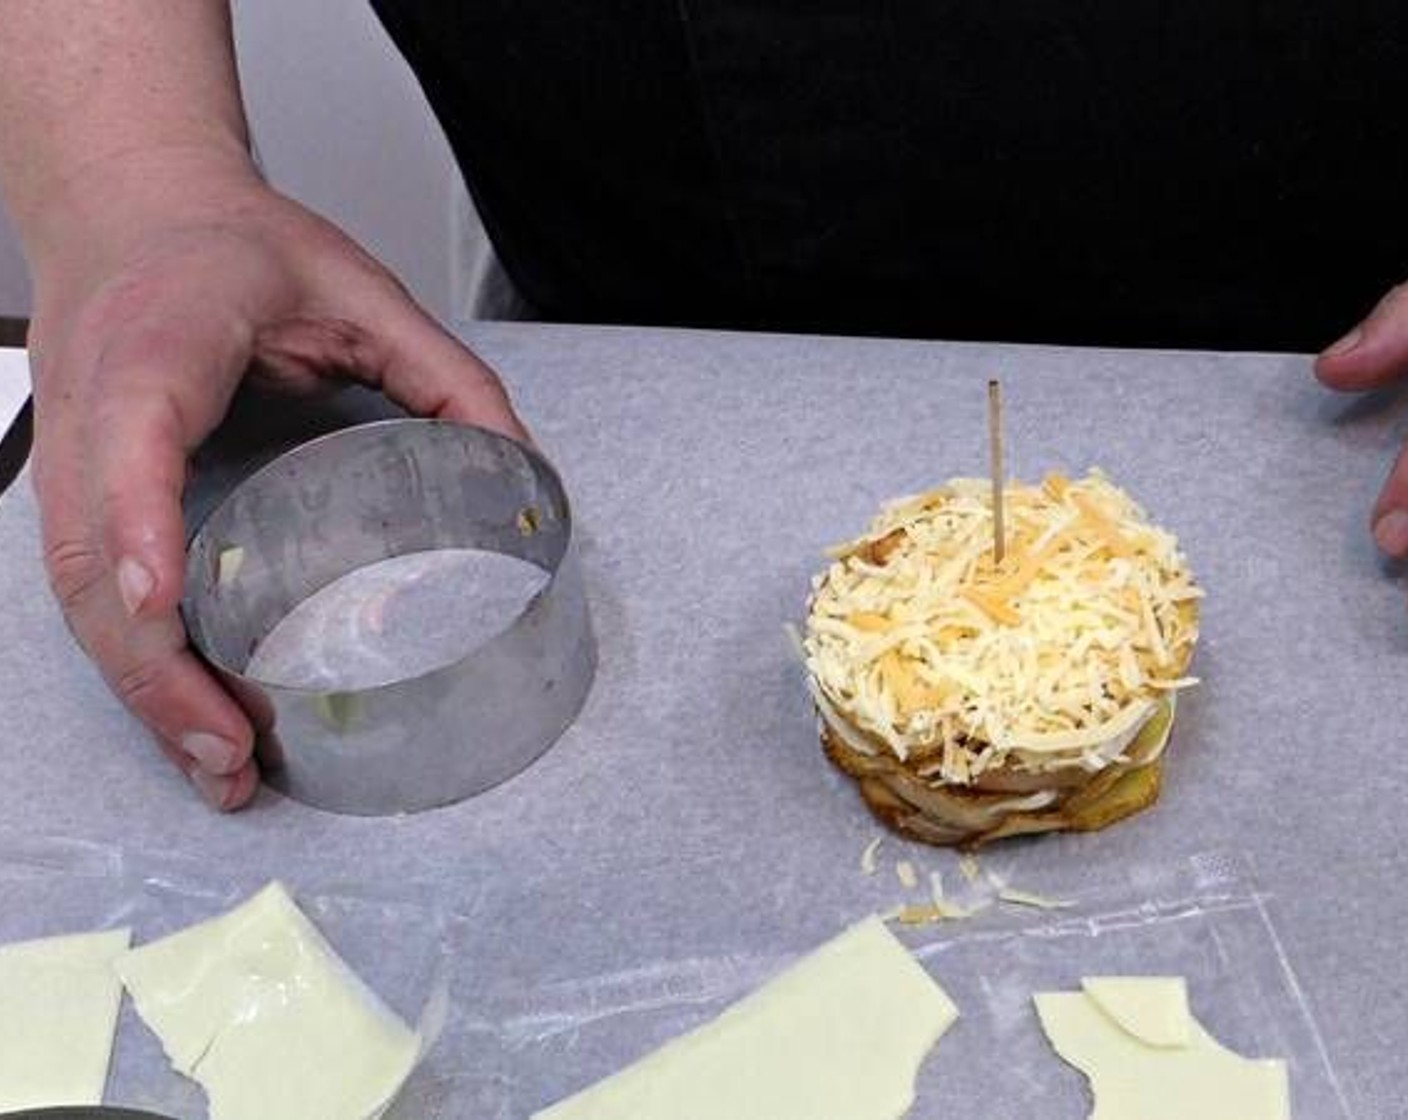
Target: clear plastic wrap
[(52, 886), (532, 1015), (398, 941), (521, 1049)]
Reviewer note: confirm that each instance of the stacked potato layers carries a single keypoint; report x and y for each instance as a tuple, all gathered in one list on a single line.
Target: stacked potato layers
[(973, 701)]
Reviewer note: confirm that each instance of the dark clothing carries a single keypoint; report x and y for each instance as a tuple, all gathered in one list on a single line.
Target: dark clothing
[(1205, 173)]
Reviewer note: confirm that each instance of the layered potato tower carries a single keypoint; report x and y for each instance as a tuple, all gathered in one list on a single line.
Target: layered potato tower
[(972, 702)]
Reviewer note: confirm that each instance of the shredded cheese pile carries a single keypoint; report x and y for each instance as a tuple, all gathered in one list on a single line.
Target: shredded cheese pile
[(918, 644)]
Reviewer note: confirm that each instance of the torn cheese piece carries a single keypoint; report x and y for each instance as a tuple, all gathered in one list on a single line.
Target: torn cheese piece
[(1154, 1009), (59, 1000), (259, 1009), (1131, 1080), (839, 1035), (906, 874)]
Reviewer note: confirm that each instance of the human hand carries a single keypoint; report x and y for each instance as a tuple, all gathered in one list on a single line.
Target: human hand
[(149, 313), (1372, 355)]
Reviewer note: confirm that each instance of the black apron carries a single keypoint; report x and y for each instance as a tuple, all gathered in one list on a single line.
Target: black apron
[(1203, 173)]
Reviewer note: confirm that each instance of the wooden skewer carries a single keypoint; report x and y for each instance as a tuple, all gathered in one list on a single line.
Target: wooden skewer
[(999, 534)]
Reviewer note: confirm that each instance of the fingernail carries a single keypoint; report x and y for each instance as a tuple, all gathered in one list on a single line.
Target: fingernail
[(213, 787), (211, 752), (1391, 532), (134, 584), (1346, 344)]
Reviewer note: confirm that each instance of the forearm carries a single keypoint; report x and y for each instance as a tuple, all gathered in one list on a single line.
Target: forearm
[(108, 105)]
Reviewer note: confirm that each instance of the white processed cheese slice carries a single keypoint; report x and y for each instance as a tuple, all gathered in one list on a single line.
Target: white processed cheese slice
[(59, 999), (258, 1008), (1131, 1080), (839, 1035), (1154, 1009)]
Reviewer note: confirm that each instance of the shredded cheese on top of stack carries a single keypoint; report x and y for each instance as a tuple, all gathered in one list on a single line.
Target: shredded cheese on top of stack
[(917, 643)]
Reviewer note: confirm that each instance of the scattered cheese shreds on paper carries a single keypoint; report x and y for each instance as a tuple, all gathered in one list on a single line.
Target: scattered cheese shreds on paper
[(936, 886), (869, 859), (905, 873), (931, 913), (971, 868)]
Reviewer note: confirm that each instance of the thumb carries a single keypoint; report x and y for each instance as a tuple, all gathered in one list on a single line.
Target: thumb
[(1374, 353), (117, 422), (161, 397)]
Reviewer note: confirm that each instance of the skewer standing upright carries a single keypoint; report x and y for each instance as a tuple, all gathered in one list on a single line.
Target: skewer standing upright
[(999, 533)]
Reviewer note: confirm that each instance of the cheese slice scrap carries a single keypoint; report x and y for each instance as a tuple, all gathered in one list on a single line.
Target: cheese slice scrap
[(259, 1009), (1154, 1009), (1131, 1080), (59, 999), (839, 1035), (228, 565)]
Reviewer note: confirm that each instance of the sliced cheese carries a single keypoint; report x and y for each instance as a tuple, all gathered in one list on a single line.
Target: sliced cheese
[(840, 1035), (1154, 1009), (59, 999), (920, 646), (259, 1009), (1132, 1080)]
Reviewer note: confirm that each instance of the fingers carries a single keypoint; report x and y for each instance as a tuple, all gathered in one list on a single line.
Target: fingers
[(157, 393), (225, 792), (113, 431), (228, 792), (374, 333), (1375, 352), (147, 665), (1390, 516), (431, 373)]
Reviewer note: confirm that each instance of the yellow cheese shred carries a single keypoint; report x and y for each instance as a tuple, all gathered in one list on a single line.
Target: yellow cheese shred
[(992, 605), (1102, 525)]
